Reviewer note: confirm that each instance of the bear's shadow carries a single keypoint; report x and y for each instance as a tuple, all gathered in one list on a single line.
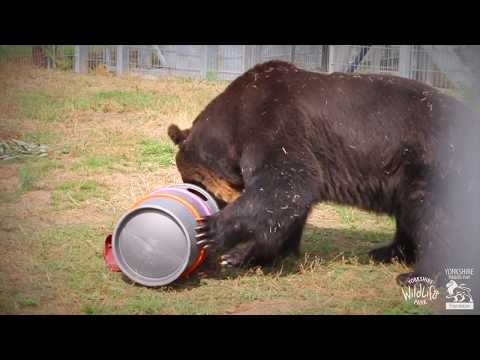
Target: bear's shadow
[(318, 245)]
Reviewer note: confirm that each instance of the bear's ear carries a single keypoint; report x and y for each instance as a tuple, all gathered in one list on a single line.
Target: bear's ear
[(178, 136)]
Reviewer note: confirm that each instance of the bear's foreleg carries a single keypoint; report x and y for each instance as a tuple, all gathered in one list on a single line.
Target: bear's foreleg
[(267, 219)]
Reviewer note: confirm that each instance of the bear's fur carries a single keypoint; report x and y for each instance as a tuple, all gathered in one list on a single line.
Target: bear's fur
[(280, 139)]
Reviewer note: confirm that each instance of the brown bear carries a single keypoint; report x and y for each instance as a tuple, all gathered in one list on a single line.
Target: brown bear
[(280, 139)]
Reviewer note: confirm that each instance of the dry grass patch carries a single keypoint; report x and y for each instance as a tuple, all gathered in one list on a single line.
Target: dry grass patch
[(109, 146)]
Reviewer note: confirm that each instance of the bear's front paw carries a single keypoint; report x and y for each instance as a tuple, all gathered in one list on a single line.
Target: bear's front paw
[(207, 233), (220, 232)]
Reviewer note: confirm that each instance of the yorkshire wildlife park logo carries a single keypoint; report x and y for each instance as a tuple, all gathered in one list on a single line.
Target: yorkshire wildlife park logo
[(421, 290), (459, 295)]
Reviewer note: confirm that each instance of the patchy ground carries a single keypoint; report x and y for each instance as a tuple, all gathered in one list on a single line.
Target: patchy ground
[(108, 146)]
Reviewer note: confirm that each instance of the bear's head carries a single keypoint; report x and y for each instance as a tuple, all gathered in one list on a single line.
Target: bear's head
[(208, 162)]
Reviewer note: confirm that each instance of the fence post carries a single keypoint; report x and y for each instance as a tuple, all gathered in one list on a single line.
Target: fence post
[(122, 59), (38, 56), (404, 61), (81, 59), (54, 56), (244, 58), (317, 57), (325, 58), (258, 57), (108, 57), (213, 54), (204, 69), (331, 58), (145, 57), (292, 53)]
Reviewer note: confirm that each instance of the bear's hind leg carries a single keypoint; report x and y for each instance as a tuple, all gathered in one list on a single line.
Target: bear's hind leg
[(430, 229), (401, 249)]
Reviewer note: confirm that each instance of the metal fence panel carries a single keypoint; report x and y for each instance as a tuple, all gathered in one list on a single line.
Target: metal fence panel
[(229, 61), (367, 58), (48, 56), (102, 55), (424, 68), (189, 59), (308, 57), (436, 65)]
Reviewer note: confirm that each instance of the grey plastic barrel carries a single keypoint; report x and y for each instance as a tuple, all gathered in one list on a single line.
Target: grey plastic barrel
[(154, 243)]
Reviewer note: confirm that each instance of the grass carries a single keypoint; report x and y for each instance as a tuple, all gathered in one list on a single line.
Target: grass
[(34, 170), (6, 197), (98, 161), (320, 242), (154, 152), (117, 101), (41, 137), (109, 136), (71, 257), (347, 214), (212, 75), (94, 309), (25, 301), (41, 107), (408, 308), (94, 162), (27, 179), (72, 193), (59, 107)]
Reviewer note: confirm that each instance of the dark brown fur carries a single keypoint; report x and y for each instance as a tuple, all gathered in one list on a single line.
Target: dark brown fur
[(285, 139)]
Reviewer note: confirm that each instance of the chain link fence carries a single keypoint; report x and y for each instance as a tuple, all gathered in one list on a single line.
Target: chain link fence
[(48, 56), (435, 65), (423, 67), (102, 56), (219, 61), (439, 68), (366, 59)]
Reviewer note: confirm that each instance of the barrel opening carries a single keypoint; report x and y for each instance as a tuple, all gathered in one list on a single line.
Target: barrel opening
[(199, 194)]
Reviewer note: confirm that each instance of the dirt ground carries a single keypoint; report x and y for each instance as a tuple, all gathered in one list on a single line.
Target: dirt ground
[(108, 146)]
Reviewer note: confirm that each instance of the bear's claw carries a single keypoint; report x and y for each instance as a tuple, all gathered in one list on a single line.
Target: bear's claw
[(204, 242), (204, 234), (201, 227)]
